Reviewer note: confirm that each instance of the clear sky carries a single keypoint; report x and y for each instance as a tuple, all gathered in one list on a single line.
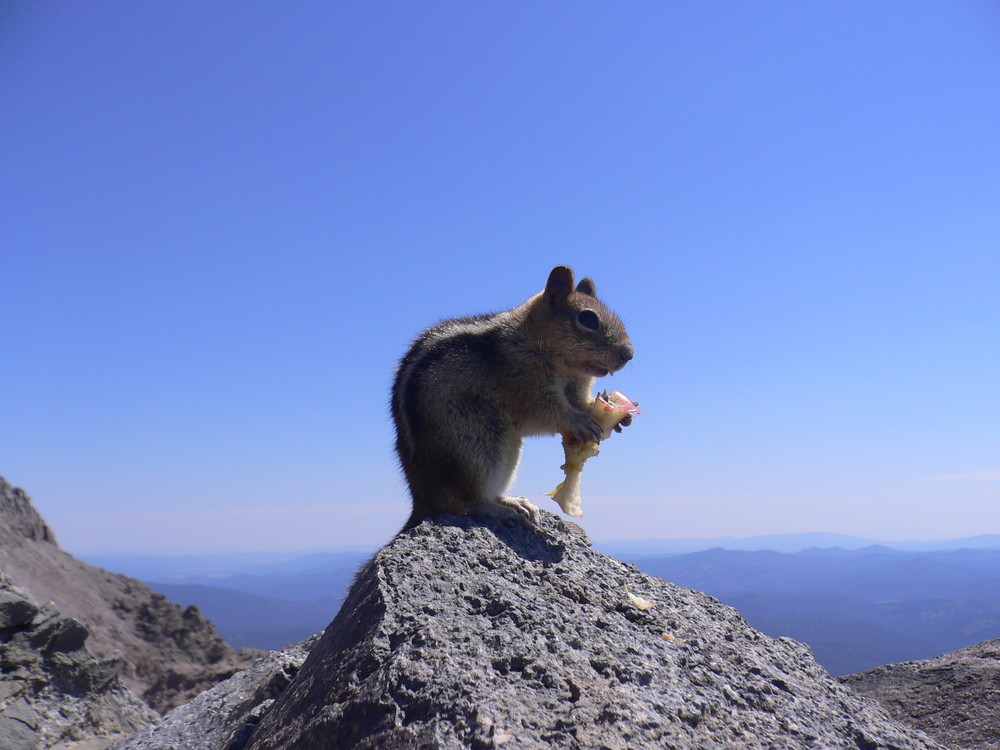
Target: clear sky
[(222, 223)]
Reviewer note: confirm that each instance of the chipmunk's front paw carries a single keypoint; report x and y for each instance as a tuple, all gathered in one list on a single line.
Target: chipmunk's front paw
[(586, 429), (626, 421)]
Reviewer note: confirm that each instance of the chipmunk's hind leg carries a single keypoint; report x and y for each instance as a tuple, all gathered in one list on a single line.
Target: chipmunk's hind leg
[(468, 469), (499, 477)]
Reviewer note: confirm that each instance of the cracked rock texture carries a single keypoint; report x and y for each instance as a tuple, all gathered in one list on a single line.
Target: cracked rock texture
[(467, 633), (169, 654), (53, 691), (952, 697)]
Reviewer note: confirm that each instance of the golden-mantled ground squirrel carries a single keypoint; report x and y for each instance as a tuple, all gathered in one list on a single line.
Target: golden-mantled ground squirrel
[(470, 389)]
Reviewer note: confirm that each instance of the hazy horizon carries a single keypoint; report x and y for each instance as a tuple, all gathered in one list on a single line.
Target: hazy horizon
[(792, 541), (222, 225)]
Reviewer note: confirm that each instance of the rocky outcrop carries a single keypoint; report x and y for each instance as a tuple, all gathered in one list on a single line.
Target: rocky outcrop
[(170, 654), (53, 691), (952, 697), (467, 633)]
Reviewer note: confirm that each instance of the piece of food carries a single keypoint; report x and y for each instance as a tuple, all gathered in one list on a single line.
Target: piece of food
[(638, 601), (608, 409)]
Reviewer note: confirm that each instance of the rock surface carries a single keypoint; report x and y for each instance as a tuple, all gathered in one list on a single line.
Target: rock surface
[(466, 633), (53, 691), (170, 654), (952, 697), (223, 717)]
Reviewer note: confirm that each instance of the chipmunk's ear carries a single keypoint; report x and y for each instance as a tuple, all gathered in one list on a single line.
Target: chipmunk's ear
[(559, 285), (586, 286)]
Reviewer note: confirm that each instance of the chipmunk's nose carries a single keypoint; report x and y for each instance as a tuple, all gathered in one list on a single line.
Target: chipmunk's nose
[(625, 354)]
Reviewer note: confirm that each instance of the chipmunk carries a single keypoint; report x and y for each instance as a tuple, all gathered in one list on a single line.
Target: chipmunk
[(470, 389)]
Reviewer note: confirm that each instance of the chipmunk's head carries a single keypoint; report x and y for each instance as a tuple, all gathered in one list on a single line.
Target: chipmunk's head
[(587, 334)]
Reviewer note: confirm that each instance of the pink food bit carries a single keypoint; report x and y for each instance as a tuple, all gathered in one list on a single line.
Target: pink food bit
[(618, 402)]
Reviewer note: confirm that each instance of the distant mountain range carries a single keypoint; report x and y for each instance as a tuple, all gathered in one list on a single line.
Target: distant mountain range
[(787, 543), (261, 600), (855, 602), (249, 620)]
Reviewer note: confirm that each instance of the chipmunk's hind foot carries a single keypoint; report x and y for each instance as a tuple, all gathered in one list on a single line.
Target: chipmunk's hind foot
[(520, 508)]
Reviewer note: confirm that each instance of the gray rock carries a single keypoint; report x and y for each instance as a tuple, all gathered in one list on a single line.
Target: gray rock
[(53, 692), (222, 717), (952, 697), (466, 633)]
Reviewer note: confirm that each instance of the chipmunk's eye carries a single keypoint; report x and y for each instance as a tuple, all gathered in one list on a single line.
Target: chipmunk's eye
[(589, 320)]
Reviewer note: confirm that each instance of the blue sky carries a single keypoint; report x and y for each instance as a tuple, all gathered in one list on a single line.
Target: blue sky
[(222, 223)]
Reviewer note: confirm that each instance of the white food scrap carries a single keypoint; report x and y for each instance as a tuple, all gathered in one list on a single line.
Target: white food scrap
[(609, 409), (638, 601)]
